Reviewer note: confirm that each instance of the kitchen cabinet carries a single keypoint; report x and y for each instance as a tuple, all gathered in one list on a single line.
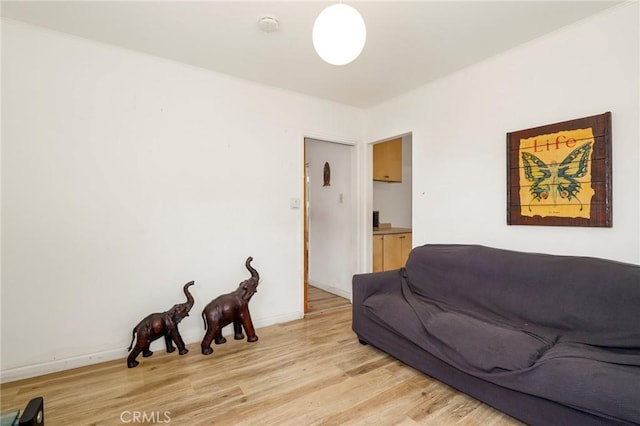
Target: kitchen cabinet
[(391, 250), (377, 253), (387, 161)]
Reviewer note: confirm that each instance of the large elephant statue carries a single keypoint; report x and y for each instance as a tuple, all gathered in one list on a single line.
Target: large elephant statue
[(231, 308), (158, 325)]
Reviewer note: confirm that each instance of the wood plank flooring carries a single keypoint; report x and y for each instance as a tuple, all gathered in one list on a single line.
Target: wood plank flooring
[(322, 301), (311, 371)]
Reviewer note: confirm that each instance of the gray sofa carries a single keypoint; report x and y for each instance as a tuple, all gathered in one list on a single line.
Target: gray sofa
[(549, 340)]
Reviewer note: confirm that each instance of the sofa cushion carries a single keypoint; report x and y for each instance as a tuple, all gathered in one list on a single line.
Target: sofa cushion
[(484, 346), (393, 311), (603, 381)]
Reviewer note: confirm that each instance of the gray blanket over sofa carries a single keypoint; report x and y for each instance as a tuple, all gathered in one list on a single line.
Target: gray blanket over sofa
[(562, 328)]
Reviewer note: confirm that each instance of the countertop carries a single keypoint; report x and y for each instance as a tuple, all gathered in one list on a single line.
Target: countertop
[(384, 231)]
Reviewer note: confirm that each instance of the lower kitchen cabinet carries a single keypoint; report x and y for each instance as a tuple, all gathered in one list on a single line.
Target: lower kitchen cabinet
[(390, 251)]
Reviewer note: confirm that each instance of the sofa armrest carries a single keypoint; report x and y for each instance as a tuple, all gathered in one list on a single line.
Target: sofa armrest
[(365, 285)]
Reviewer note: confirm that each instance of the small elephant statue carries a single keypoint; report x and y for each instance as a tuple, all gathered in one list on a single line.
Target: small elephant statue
[(157, 325), (231, 308)]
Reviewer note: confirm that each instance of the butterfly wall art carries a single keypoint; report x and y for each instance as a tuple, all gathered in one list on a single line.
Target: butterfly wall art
[(560, 174)]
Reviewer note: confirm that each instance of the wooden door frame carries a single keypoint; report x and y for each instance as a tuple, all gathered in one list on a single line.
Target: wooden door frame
[(306, 226)]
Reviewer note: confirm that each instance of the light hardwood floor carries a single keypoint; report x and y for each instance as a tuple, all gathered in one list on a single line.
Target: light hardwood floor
[(320, 301), (307, 372)]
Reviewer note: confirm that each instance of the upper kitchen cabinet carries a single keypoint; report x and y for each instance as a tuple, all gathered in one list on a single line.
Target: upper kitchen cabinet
[(387, 161)]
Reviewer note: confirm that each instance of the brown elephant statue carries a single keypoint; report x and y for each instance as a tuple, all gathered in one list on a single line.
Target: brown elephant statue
[(231, 308), (161, 324)]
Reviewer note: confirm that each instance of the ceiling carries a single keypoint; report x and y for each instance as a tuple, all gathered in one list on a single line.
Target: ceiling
[(408, 44)]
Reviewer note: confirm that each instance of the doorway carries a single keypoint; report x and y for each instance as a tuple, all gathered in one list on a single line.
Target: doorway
[(391, 202), (330, 249)]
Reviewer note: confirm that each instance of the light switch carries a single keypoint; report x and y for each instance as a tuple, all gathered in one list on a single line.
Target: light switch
[(294, 203)]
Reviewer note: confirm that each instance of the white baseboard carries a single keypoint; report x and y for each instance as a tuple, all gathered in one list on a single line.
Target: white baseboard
[(34, 370)]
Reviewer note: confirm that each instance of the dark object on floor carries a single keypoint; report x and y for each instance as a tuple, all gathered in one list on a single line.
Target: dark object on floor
[(33, 414), (549, 340), (231, 308), (158, 325)]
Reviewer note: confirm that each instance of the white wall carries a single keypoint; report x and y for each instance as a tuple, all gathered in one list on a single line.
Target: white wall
[(393, 199), (332, 217), (459, 126), (123, 177)]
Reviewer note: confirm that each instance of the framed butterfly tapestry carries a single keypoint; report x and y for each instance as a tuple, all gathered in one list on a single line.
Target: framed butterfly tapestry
[(560, 174)]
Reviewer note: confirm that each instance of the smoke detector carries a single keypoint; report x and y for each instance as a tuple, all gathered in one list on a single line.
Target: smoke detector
[(268, 24)]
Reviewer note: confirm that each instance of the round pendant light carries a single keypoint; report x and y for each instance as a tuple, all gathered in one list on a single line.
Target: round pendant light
[(339, 34)]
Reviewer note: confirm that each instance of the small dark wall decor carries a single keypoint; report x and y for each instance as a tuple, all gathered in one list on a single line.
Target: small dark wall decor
[(327, 174), (560, 174)]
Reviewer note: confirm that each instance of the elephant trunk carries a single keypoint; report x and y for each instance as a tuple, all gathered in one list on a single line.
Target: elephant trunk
[(254, 273), (188, 294)]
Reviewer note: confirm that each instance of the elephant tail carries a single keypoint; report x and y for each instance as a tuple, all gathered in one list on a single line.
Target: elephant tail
[(204, 319), (133, 336), (254, 273)]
